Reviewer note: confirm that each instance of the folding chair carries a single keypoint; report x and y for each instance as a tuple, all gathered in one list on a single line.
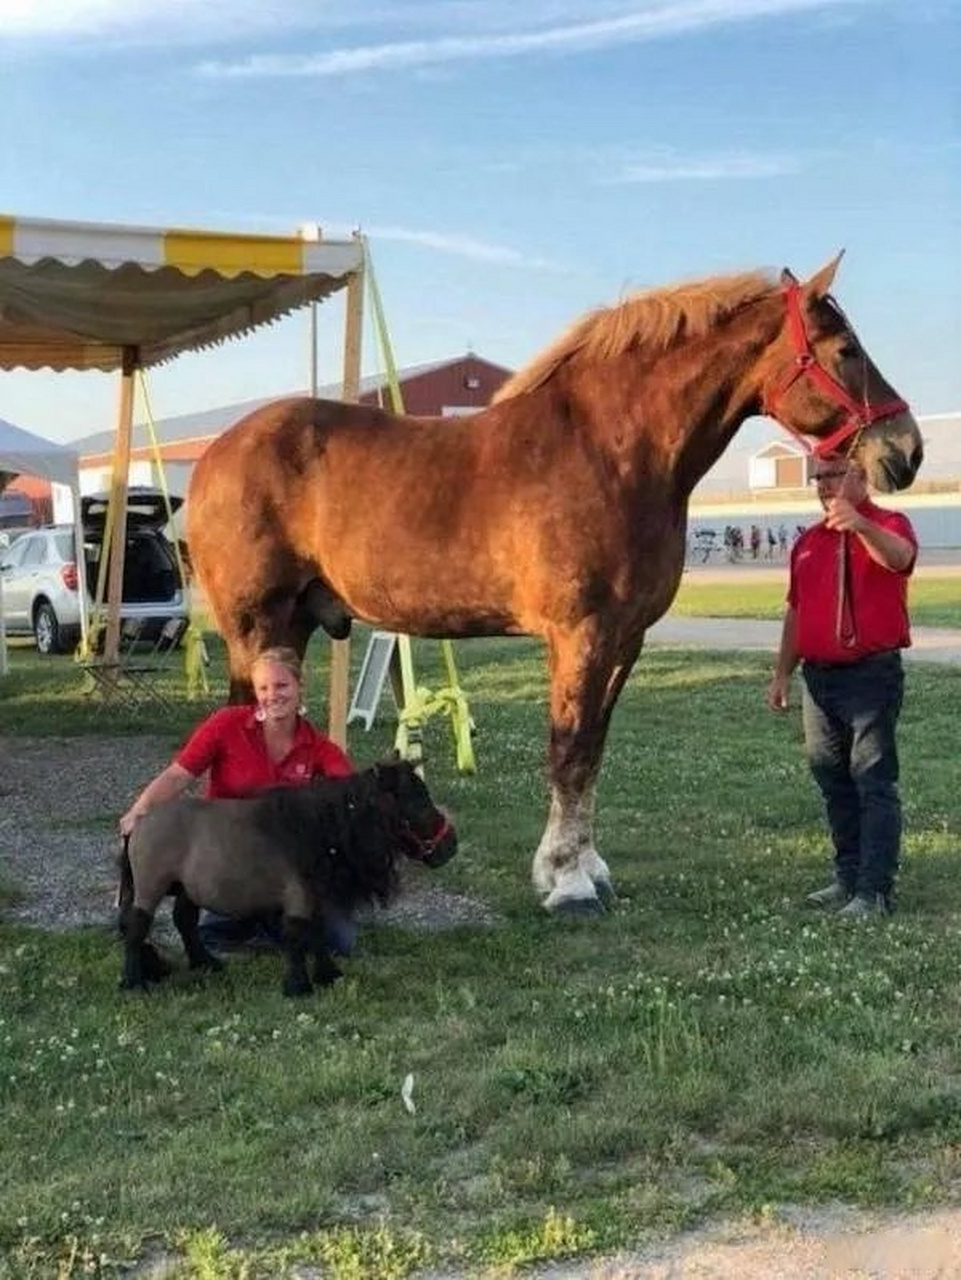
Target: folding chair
[(135, 680)]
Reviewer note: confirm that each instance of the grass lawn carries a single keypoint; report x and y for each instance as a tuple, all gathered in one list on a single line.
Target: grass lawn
[(933, 602), (706, 1048)]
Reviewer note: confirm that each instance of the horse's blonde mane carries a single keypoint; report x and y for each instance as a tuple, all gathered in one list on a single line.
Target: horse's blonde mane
[(653, 319)]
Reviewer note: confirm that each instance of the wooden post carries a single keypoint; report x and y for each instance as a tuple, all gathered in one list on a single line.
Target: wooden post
[(118, 504), (339, 693)]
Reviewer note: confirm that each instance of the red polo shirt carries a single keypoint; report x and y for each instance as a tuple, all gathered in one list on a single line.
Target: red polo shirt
[(878, 596), (231, 745)]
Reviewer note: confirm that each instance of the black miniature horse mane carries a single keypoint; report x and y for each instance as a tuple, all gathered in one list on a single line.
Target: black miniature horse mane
[(341, 834)]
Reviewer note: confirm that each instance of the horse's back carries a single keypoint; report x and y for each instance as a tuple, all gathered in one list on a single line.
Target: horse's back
[(221, 858)]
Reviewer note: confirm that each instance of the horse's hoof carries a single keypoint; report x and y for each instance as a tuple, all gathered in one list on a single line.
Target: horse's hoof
[(577, 908), (605, 891)]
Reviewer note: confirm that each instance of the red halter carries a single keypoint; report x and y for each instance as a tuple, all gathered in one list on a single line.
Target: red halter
[(859, 415), (426, 847)]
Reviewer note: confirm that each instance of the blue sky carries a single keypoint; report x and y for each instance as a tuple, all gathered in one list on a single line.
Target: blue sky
[(514, 164)]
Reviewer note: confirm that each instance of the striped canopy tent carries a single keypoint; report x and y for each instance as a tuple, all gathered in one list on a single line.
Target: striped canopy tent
[(99, 296)]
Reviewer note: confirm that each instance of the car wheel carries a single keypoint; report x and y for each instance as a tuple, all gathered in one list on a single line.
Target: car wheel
[(46, 629)]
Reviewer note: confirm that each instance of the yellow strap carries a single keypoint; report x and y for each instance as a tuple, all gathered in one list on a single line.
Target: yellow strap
[(162, 476), (195, 651), (96, 623)]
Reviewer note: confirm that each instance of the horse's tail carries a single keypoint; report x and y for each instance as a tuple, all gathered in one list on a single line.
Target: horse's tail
[(125, 887)]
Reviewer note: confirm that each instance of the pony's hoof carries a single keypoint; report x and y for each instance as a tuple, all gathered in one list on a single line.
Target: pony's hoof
[(576, 908), (133, 988), (295, 987), (155, 967), (328, 975)]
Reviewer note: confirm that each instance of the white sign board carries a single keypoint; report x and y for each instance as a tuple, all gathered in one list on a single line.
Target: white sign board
[(373, 673)]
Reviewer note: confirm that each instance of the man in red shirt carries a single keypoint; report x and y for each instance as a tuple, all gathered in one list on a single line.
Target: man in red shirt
[(846, 622)]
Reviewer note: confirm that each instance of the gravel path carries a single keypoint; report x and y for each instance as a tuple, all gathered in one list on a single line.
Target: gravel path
[(828, 1244), (59, 801)]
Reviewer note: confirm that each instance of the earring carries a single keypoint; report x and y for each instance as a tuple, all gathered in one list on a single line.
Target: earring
[(302, 709), (260, 715)]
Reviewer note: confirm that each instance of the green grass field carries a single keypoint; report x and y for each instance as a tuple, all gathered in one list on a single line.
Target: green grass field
[(933, 602), (707, 1048)]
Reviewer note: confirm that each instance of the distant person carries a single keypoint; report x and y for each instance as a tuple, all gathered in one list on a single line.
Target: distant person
[(782, 539), (771, 543), (846, 622), (755, 541)]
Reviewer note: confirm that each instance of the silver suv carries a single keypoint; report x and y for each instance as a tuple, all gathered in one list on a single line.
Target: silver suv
[(40, 572)]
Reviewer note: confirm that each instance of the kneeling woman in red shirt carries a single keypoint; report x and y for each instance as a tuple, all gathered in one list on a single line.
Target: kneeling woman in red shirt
[(244, 750)]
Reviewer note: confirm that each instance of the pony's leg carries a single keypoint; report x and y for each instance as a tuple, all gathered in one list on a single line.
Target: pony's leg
[(326, 971), (155, 967), (588, 670), (297, 937), (136, 927), (186, 916)]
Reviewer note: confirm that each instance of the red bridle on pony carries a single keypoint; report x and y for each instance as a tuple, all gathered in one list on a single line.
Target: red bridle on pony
[(426, 847), (806, 365)]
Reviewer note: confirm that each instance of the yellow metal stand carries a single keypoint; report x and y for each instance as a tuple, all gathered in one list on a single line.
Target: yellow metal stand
[(415, 702)]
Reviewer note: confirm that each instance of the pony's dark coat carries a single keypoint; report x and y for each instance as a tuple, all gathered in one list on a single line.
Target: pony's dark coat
[(334, 843), (559, 511)]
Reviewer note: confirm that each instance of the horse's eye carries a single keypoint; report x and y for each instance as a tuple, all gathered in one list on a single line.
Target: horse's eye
[(850, 351)]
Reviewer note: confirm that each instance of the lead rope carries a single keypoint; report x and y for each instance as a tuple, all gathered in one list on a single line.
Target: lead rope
[(846, 628)]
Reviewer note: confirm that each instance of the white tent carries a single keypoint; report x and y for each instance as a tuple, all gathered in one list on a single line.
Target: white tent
[(22, 453), (77, 295)]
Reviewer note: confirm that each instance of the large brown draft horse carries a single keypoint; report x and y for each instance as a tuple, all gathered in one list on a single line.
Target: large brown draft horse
[(559, 511)]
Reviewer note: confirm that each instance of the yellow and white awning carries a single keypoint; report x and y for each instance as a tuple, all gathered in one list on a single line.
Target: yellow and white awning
[(75, 295)]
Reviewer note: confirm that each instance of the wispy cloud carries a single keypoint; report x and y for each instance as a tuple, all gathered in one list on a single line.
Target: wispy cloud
[(462, 246), (654, 20), (722, 167), (455, 243), (147, 21)]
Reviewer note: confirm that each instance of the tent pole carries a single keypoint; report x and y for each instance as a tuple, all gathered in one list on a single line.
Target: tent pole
[(313, 350), (4, 667), (340, 649), (118, 504)]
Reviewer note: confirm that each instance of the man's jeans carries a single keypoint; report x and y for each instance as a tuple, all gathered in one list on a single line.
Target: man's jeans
[(850, 717)]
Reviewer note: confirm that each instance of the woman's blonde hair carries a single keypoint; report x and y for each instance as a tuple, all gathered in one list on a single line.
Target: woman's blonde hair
[(283, 656)]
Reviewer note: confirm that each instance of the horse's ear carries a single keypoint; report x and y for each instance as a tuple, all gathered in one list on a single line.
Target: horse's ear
[(820, 283), (788, 277)]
